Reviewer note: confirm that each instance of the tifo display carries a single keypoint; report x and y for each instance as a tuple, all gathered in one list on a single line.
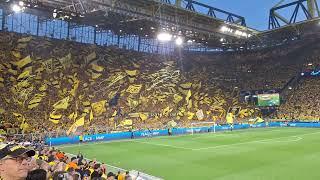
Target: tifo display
[(153, 90)]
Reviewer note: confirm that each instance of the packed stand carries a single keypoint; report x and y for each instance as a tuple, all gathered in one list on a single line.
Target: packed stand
[(48, 85), (308, 93)]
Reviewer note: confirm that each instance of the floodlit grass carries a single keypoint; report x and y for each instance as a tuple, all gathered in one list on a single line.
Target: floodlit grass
[(251, 154)]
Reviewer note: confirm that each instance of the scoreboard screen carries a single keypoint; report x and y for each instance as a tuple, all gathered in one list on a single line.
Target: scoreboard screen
[(265, 100)]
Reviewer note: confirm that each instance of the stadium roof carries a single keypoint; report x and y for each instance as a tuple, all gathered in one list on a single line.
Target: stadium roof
[(216, 29), (148, 17)]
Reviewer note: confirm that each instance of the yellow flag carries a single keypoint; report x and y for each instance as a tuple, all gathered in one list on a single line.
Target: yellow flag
[(131, 72), (80, 122), (55, 118), (43, 87), (73, 116), (143, 116), (1, 82), (99, 107), (134, 115), (188, 96), (177, 98), (189, 105), (134, 89), (17, 115), (24, 75), (259, 120), (91, 116), (27, 60), (95, 75), (96, 67), (74, 88), (132, 103), (186, 85), (62, 104), (24, 126), (16, 54), (126, 122), (74, 127), (166, 111), (190, 115), (114, 113), (35, 101)]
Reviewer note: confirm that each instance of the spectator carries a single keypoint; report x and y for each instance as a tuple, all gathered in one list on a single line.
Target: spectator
[(14, 161), (111, 176), (127, 177), (37, 174)]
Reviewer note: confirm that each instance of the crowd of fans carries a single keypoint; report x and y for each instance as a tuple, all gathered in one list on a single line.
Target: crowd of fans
[(46, 84), (35, 161), (308, 93), (149, 90)]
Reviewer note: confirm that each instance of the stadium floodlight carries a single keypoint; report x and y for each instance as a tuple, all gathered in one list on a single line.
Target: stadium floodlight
[(222, 39), (16, 8), (54, 14), (164, 37), (21, 3), (224, 28), (179, 41)]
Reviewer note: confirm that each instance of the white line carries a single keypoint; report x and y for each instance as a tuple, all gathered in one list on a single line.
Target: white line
[(164, 145), (236, 133), (228, 145), (297, 138)]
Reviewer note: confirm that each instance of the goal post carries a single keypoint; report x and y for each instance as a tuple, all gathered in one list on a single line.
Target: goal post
[(203, 127)]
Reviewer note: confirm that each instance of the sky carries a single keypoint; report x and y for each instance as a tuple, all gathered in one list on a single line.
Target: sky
[(256, 12)]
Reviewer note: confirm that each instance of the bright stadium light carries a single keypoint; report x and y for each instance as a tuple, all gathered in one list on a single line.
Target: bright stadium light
[(224, 28), (16, 8), (21, 3), (179, 41), (163, 36)]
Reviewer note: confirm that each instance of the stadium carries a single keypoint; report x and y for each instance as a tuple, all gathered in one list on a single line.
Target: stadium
[(158, 89)]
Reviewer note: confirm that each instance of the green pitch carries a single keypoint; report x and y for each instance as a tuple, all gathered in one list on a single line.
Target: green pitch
[(252, 154)]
